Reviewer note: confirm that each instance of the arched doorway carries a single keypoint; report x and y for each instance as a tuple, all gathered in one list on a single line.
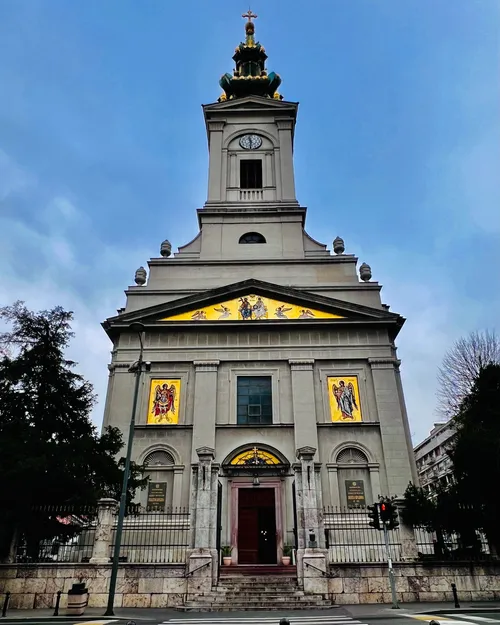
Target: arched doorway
[(256, 489)]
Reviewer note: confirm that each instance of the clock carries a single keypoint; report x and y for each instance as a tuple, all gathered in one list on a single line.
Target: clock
[(250, 142)]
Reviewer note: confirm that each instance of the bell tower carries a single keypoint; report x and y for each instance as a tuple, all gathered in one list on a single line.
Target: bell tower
[(250, 134)]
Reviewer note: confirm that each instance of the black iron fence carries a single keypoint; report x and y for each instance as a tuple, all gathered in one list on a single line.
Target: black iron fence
[(349, 537), (472, 545), (57, 534), (154, 536)]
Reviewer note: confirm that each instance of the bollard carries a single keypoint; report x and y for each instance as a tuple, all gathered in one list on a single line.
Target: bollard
[(58, 601), (6, 604), (455, 595), (284, 621)]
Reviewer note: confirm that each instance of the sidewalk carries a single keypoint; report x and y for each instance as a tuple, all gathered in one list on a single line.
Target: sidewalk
[(384, 610), (360, 611)]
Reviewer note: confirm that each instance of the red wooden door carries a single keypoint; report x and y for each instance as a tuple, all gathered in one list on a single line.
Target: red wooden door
[(256, 526)]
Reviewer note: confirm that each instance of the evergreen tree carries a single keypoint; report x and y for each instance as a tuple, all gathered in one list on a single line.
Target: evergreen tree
[(475, 452), (51, 452)]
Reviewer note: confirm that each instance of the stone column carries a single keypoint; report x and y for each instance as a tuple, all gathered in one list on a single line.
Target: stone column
[(106, 510), (177, 487), (304, 407), (202, 562), (215, 130), (205, 405), (397, 454), (409, 551), (285, 127), (312, 557)]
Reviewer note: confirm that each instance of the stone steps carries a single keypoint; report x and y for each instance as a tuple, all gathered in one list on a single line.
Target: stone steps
[(251, 592)]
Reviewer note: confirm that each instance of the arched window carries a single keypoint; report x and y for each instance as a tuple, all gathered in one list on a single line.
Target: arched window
[(252, 237), (351, 455), (159, 458)]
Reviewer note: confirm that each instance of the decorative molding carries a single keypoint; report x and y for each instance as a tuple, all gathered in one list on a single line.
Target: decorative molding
[(284, 124), (206, 365), (217, 126), (119, 365), (384, 363), (301, 365)]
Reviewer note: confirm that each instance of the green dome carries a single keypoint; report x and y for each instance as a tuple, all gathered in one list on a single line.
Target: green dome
[(250, 76)]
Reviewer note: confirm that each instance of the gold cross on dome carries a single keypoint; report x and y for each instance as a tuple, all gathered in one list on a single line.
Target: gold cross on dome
[(255, 455), (249, 15)]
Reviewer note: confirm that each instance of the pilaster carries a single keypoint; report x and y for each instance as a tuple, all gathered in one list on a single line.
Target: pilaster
[(205, 405), (392, 426), (304, 406), (285, 129), (215, 130)]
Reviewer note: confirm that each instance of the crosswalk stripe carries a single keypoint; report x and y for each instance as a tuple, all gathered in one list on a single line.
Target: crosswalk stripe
[(294, 620), (475, 617)]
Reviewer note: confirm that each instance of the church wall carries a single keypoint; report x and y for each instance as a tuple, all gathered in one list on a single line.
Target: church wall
[(187, 276), (142, 297)]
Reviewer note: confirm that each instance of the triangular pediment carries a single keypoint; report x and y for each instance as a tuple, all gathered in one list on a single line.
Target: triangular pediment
[(250, 102), (254, 301)]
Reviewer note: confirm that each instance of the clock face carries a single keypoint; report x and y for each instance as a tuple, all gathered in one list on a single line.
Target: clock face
[(251, 142)]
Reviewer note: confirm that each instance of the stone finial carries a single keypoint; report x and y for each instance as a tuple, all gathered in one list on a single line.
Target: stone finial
[(365, 272), (338, 245), (166, 248), (141, 276)]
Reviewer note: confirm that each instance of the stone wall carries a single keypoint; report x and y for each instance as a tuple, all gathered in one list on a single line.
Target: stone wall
[(156, 586), (138, 586), (414, 582)]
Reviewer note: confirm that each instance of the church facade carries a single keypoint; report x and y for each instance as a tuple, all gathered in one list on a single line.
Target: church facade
[(272, 382)]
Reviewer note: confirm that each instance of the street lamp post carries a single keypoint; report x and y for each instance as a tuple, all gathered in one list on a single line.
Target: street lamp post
[(137, 368)]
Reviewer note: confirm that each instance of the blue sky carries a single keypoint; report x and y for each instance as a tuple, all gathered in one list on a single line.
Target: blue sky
[(103, 151)]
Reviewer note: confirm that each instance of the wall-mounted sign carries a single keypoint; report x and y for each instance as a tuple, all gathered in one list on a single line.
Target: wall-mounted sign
[(157, 495), (355, 491)]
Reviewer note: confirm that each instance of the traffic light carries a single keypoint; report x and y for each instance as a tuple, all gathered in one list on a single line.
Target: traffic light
[(389, 514), (374, 515)]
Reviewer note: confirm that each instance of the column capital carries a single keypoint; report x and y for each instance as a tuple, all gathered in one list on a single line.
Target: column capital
[(206, 365), (306, 453), (301, 365), (206, 453), (284, 123), (384, 363), (332, 468), (217, 126)]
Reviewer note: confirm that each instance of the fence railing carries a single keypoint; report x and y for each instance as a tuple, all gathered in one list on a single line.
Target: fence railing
[(434, 546), (154, 536), (57, 534), (349, 537)]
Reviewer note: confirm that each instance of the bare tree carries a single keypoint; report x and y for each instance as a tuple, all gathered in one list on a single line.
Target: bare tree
[(461, 366)]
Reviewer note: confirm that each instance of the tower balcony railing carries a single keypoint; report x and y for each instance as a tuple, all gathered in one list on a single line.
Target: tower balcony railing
[(251, 195)]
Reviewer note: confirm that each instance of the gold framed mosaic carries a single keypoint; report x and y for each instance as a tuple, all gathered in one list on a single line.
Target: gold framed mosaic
[(343, 399), (163, 405)]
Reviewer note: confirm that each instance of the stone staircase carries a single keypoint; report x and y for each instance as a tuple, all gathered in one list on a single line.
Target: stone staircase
[(256, 588)]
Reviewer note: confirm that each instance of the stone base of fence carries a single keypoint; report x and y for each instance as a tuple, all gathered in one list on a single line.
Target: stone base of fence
[(159, 585), (352, 584), (138, 586)]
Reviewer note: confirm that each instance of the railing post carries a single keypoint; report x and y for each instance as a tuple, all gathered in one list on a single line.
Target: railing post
[(6, 604), (106, 510)]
